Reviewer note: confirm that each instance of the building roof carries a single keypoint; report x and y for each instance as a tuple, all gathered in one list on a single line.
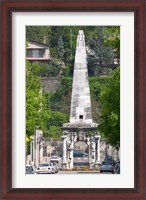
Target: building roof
[(36, 45), (37, 59)]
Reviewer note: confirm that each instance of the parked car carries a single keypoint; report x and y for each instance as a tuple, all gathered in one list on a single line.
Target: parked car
[(107, 166), (109, 158), (44, 168), (55, 159), (117, 168), (30, 169), (54, 166)]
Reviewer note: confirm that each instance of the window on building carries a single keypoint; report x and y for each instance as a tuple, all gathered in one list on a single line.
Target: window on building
[(35, 53)]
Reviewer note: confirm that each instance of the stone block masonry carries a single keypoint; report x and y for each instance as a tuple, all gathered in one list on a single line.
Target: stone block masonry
[(50, 84), (80, 101)]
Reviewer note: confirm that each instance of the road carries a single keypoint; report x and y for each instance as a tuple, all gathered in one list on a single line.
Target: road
[(82, 161), (83, 172)]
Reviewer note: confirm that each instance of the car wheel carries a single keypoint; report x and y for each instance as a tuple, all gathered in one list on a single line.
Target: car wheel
[(100, 171), (53, 172)]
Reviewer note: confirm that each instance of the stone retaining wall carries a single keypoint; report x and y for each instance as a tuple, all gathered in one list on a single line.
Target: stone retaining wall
[(50, 84)]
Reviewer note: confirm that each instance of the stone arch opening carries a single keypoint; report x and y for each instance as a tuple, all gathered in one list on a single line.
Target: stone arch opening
[(81, 154), (71, 141), (81, 145)]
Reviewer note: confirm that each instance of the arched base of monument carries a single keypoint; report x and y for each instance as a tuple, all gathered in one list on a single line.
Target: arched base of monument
[(87, 133)]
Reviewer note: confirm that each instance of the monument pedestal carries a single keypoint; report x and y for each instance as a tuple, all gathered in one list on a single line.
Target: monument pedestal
[(80, 132)]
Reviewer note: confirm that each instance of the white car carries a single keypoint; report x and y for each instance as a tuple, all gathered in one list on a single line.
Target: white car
[(44, 168), (54, 166), (55, 158)]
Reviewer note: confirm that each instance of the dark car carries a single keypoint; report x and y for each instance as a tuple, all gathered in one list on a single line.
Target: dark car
[(117, 168), (107, 166), (30, 169), (110, 158)]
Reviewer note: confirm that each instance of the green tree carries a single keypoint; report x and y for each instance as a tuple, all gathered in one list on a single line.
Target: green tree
[(54, 124), (35, 102), (37, 33), (54, 132), (50, 69), (100, 55), (38, 109), (109, 124), (60, 46), (57, 119), (112, 38)]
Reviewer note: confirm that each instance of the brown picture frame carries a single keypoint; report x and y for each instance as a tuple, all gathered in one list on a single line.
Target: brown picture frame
[(139, 9)]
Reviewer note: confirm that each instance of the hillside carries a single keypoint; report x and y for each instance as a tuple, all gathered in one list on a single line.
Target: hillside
[(50, 108)]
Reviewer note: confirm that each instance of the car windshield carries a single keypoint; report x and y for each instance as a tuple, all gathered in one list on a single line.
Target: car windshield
[(55, 162), (54, 157), (107, 163), (44, 165)]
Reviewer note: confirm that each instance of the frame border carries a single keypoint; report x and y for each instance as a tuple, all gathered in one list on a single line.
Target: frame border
[(9, 6)]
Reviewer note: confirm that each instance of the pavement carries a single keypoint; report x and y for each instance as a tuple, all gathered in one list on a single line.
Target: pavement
[(82, 172), (78, 172)]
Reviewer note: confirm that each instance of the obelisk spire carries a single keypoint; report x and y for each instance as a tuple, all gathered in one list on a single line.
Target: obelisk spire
[(80, 101)]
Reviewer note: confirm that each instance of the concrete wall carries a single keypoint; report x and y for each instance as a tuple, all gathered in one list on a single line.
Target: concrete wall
[(50, 84)]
